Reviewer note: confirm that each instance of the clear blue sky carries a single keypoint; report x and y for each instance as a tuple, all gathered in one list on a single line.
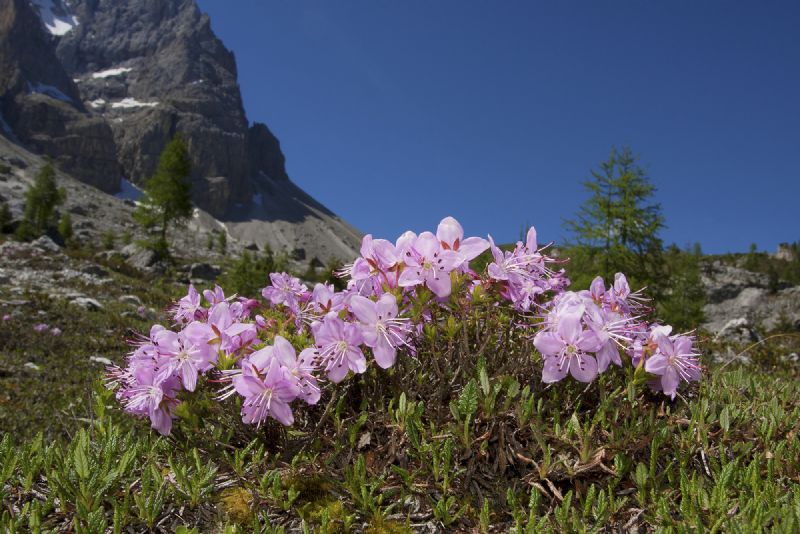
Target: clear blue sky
[(395, 114)]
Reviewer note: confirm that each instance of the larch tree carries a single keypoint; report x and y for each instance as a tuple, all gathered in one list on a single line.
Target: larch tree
[(167, 197)]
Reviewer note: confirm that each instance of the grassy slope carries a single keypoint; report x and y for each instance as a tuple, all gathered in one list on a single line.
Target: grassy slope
[(435, 442)]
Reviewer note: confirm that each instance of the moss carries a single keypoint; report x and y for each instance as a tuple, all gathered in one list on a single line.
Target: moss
[(236, 503), (327, 512), (380, 525)]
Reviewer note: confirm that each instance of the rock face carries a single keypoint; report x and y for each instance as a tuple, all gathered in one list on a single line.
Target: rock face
[(154, 69), (41, 105), (739, 300), (102, 85)]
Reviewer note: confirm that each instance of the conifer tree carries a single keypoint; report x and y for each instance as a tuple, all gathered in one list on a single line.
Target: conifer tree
[(167, 194), (5, 215), (618, 225), (42, 199), (65, 227)]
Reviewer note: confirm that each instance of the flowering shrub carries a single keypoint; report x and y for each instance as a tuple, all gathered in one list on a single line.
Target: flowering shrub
[(393, 291)]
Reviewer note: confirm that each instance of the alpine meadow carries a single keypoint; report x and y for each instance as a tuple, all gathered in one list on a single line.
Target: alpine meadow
[(191, 342)]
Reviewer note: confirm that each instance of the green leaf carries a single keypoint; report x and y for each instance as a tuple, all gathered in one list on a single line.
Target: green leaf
[(725, 419), (468, 400)]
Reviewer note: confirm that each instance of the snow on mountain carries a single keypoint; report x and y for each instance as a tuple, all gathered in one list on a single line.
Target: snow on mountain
[(132, 103), (111, 72), (55, 16)]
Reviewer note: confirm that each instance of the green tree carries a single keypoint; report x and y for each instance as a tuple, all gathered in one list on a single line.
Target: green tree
[(681, 302), (167, 197), (65, 227), (617, 227), (5, 215), (250, 272), (42, 199), (222, 242)]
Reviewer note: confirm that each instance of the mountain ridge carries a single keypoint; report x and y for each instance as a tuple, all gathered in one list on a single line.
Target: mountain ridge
[(134, 73)]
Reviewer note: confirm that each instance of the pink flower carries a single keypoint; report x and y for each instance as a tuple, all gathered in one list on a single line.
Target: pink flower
[(451, 237), (41, 327), (266, 393), (428, 263), (188, 308), (185, 354), (674, 361), (383, 331), (55, 331), (566, 351), (286, 290), (146, 395), (338, 344)]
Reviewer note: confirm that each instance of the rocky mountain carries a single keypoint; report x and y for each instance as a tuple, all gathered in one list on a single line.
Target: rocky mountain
[(41, 106), (102, 85), (742, 304)]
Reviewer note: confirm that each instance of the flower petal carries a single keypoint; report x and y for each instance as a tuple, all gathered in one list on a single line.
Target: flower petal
[(583, 368), (548, 343)]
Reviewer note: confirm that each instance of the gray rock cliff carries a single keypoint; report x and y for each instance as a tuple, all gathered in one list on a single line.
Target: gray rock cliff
[(101, 86)]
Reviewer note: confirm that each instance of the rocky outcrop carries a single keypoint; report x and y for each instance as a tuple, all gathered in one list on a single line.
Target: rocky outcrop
[(740, 300), (101, 86), (41, 105), (153, 69)]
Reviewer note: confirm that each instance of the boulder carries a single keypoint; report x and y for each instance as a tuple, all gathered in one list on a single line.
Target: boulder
[(95, 270), (46, 244), (143, 259), (203, 271), (738, 331), (86, 303), (131, 300)]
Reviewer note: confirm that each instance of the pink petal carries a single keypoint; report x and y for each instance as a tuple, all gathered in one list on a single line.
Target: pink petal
[(449, 231), (548, 343), (531, 239), (472, 247), (356, 361), (656, 364), (670, 381), (363, 309), (385, 354), (552, 371), (387, 306), (411, 276), (440, 284), (281, 412), (427, 245), (284, 351), (569, 327), (189, 376), (583, 368)]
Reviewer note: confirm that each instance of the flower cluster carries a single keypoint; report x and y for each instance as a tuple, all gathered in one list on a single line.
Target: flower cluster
[(579, 334), (584, 332)]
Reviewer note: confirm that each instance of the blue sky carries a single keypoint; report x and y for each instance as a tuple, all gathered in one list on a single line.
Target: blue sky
[(395, 114)]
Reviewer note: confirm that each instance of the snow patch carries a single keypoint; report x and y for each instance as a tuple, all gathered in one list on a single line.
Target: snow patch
[(55, 16), (133, 103), (128, 191), (49, 90), (99, 103), (111, 72)]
